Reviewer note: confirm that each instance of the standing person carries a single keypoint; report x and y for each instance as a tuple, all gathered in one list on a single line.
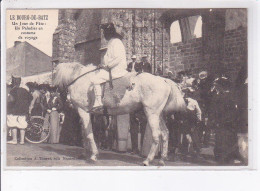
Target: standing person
[(222, 116), (36, 107), (204, 85), (170, 75), (114, 65), (190, 79), (18, 110), (38, 104), (146, 66), (99, 123), (204, 88), (54, 108), (134, 130), (178, 131), (191, 124), (241, 92), (112, 133), (71, 132), (183, 83), (134, 66), (179, 77)]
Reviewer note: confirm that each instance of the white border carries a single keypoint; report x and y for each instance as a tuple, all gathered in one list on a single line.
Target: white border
[(147, 180), (142, 4)]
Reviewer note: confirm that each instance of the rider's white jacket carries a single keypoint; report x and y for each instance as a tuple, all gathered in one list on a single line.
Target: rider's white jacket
[(115, 57)]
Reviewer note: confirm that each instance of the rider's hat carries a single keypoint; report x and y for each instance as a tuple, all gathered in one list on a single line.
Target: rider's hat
[(144, 56), (110, 31), (108, 27)]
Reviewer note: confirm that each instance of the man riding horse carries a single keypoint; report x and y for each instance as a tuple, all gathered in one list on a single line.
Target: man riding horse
[(154, 94), (114, 61)]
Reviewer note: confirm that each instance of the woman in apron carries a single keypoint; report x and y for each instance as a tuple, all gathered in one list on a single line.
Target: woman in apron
[(54, 107)]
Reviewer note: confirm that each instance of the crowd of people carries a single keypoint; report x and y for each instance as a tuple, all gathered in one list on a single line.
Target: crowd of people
[(216, 110), (212, 109), (33, 100)]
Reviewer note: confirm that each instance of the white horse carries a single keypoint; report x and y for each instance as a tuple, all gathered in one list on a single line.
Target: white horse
[(156, 95)]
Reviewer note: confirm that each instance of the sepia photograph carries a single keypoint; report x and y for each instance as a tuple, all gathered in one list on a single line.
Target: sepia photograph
[(126, 87)]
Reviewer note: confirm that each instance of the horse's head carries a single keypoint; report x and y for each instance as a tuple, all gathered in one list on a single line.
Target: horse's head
[(65, 73), (79, 93)]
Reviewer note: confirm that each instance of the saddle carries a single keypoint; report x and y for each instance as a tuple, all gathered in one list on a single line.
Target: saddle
[(111, 97)]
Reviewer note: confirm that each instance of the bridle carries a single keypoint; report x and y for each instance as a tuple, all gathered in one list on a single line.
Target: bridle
[(81, 76)]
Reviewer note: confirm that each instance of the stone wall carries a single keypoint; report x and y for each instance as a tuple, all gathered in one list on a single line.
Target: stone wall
[(223, 41), (189, 55), (186, 56), (235, 50), (202, 53), (64, 37), (87, 37)]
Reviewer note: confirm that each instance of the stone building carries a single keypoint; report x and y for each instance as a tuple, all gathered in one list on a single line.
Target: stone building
[(222, 44)]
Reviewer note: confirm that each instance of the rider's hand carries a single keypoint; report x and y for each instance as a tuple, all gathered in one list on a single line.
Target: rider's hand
[(104, 67)]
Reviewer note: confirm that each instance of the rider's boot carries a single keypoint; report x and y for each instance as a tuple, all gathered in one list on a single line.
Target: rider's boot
[(98, 99)]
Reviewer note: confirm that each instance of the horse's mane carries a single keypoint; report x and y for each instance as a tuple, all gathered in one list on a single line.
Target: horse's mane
[(66, 72)]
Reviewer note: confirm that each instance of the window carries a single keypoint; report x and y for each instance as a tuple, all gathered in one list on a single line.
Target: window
[(186, 29), (197, 31), (175, 32)]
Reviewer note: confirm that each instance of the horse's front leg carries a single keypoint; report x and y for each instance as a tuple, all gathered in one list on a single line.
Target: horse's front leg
[(88, 133)]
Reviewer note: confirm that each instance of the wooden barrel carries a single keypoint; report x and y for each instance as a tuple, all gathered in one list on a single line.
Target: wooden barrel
[(123, 125)]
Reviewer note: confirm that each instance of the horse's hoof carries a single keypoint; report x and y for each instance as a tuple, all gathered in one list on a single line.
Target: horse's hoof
[(93, 158), (161, 162), (146, 163)]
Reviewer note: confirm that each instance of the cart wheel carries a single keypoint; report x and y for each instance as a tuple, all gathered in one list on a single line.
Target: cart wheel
[(37, 131)]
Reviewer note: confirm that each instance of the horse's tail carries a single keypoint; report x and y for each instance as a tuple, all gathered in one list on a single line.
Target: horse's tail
[(175, 101)]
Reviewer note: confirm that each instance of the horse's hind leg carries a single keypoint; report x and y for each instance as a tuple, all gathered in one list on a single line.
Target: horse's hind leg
[(154, 123), (165, 139), (88, 133)]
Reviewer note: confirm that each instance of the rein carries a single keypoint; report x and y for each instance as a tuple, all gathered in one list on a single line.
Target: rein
[(82, 76)]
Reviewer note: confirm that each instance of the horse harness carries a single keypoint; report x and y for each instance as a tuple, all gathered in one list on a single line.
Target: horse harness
[(111, 93), (81, 76)]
